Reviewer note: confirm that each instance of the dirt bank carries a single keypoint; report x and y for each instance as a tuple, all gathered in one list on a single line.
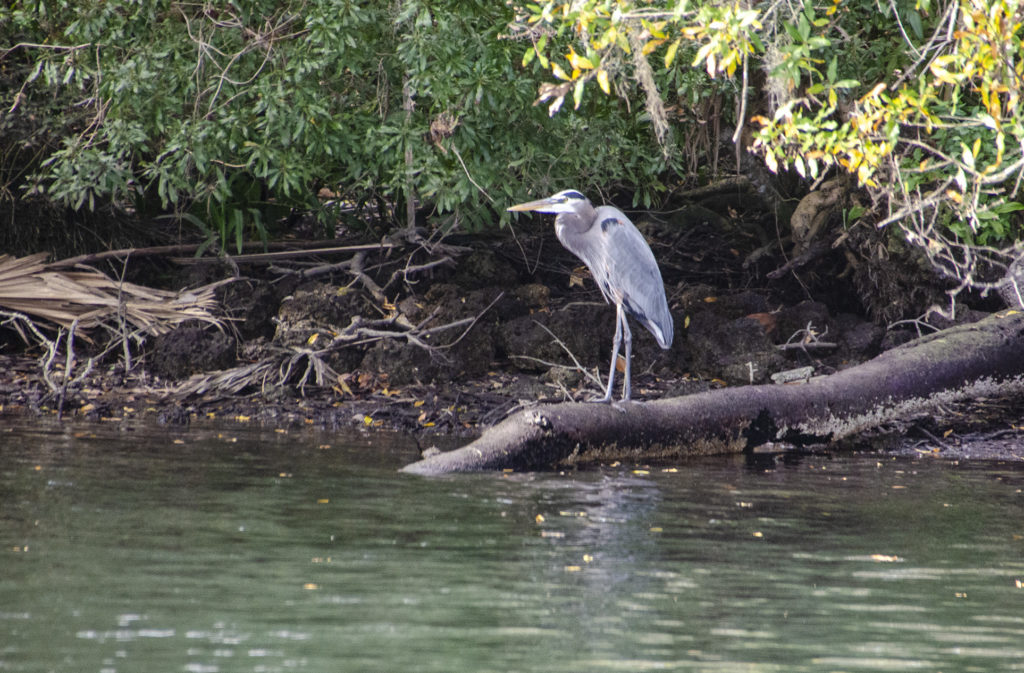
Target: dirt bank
[(448, 337)]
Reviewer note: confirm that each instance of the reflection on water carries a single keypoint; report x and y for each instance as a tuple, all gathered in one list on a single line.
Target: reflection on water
[(151, 550)]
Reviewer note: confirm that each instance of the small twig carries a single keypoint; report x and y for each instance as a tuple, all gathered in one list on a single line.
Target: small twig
[(916, 322), (807, 345), (466, 170)]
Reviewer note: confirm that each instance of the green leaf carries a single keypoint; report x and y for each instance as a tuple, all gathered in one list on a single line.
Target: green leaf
[(804, 28), (914, 19), (1008, 207), (755, 41)]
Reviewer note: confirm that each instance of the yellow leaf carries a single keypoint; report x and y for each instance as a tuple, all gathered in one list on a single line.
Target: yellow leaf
[(650, 46), (863, 173), (670, 53), (367, 420), (879, 88), (702, 53), (419, 403), (942, 74), (557, 71), (657, 28), (602, 81), (580, 62), (312, 338)]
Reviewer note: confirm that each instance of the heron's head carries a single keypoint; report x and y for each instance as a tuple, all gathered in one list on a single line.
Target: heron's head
[(567, 201)]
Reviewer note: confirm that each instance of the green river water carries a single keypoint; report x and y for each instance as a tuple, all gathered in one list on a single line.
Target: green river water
[(207, 551)]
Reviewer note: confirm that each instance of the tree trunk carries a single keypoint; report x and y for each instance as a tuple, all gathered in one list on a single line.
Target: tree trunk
[(965, 361)]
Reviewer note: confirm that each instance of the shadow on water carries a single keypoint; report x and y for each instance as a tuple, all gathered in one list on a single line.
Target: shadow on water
[(245, 550)]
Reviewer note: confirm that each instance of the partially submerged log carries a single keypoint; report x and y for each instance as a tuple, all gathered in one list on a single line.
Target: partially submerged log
[(965, 361)]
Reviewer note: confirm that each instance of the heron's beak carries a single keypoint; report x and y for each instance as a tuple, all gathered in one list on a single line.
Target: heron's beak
[(532, 205)]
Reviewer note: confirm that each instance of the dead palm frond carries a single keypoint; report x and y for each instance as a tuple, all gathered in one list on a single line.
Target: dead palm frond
[(87, 298)]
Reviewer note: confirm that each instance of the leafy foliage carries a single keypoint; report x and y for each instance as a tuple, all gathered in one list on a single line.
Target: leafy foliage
[(920, 102), (232, 114)]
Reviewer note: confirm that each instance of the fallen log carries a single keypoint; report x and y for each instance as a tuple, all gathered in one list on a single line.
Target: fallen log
[(962, 362)]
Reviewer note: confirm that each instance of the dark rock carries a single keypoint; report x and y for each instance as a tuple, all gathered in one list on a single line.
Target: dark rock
[(317, 307), (581, 331), (729, 305), (174, 415), (897, 337), (806, 315), (534, 295), (252, 305), (860, 338), (188, 350), (738, 351), (482, 268)]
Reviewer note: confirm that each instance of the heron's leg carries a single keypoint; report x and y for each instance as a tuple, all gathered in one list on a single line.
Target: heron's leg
[(627, 337), (620, 318)]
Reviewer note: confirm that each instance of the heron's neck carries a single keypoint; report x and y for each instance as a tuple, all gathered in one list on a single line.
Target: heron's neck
[(575, 222)]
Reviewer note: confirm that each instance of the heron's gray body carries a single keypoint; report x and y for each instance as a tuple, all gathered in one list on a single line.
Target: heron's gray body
[(622, 265)]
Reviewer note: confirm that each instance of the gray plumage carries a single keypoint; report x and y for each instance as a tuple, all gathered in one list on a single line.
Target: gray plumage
[(621, 263)]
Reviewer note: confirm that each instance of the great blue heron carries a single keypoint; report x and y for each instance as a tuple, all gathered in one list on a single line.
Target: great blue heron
[(622, 265)]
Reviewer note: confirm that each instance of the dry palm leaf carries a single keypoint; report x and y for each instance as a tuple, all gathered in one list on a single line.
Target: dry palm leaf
[(91, 298)]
